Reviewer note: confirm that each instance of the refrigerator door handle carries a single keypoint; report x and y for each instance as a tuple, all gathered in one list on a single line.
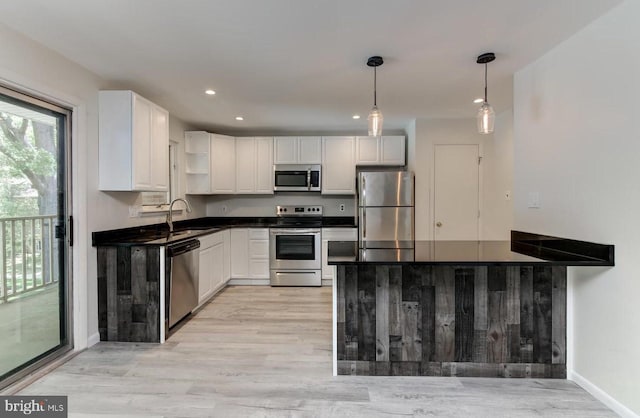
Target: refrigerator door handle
[(364, 191), (364, 224)]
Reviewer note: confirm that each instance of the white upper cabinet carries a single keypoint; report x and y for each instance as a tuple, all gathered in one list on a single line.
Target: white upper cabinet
[(297, 150), (223, 164), (133, 143), (338, 165), (264, 165), (384, 150), (254, 165), (245, 165)]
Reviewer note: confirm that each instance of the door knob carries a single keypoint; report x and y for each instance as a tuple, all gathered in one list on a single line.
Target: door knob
[(438, 224)]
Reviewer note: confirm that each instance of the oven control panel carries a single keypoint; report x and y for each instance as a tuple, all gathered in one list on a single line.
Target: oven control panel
[(298, 211)]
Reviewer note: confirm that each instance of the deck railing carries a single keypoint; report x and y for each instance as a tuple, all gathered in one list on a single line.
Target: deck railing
[(27, 261)]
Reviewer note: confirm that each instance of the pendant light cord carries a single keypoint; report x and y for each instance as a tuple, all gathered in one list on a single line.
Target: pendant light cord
[(485, 82), (374, 86)]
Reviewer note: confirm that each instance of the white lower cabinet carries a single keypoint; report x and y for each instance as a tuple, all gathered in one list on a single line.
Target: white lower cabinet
[(334, 234), (250, 254), (213, 259)]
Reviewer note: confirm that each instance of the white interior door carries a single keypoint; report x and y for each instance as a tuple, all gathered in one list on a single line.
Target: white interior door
[(456, 192)]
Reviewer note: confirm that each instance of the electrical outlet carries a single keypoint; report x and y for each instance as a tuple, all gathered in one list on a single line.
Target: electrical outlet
[(507, 195), (341, 207), (134, 211), (224, 208), (534, 200)]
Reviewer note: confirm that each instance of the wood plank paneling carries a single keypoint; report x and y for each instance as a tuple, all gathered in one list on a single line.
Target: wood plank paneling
[(558, 314), (526, 314), (542, 314), (467, 321), (464, 313), (395, 314), (445, 313), (382, 313), (497, 331), (366, 312), (411, 332), (351, 313), (129, 293)]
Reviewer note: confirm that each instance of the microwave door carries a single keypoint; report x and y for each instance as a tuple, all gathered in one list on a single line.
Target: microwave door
[(290, 180)]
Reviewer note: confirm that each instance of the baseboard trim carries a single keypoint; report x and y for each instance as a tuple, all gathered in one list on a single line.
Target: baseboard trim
[(249, 282), (601, 395), (93, 339)]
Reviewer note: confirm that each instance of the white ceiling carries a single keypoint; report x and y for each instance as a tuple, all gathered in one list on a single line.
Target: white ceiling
[(300, 65)]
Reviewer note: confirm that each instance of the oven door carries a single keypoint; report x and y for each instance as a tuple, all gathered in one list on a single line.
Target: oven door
[(292, 249)]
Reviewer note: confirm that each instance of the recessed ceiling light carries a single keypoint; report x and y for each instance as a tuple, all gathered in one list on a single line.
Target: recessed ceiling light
[(478, 100), (356, 116), (210, 92), (239, 118)]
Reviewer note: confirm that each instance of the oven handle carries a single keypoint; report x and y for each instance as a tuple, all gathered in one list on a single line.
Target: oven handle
[(309, 178), (294, 232)]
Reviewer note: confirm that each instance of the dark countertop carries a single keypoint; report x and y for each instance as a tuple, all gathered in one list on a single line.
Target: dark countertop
[(158, 234), (467, 252)]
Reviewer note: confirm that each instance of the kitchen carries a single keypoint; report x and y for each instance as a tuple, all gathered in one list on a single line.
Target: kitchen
[(99, 211)]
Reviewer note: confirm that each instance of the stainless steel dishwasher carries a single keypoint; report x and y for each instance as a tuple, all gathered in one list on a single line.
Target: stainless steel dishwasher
[(182, 287)]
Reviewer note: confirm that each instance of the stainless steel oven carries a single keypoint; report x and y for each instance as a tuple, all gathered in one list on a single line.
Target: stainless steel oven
[(295, 251), (297, 178)]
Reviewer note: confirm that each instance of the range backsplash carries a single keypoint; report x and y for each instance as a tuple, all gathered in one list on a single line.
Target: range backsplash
[(265, 205)]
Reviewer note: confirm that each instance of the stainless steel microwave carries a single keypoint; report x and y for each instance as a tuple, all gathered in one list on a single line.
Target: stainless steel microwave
[(297, 177)]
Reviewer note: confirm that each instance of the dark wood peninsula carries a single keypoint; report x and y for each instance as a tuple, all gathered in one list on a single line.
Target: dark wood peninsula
[(466, 308)]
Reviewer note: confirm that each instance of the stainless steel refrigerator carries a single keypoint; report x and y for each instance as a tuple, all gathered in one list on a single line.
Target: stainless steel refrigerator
[(386, 215)]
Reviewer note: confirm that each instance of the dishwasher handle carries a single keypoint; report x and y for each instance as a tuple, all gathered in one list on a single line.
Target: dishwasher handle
[(182, 247)]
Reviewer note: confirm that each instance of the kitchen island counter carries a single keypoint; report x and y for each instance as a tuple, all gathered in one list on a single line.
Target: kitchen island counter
[(485, 309)]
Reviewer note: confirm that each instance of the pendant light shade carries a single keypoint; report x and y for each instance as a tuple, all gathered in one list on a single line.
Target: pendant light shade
[(375, 116), (486, 116)]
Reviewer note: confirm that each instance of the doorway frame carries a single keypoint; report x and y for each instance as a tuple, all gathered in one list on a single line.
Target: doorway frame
[(77, 168)]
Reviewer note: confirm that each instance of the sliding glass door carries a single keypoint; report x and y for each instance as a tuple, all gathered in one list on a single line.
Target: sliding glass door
[(34, 233)]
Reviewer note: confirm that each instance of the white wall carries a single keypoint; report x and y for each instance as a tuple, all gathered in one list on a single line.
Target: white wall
[(497, 166), (577, 143), (31, 67)]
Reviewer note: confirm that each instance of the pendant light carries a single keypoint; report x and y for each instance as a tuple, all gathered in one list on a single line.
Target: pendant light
[(375, 116), (486, 116)]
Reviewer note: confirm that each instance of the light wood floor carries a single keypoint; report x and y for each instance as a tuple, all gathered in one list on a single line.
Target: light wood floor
[(266, 352)]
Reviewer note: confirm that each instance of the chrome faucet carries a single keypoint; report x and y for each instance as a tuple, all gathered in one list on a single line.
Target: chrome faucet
[(170, 214)]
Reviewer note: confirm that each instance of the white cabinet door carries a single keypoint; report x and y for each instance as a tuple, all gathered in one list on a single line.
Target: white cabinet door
[(239, 253), (259, 253), (376, 150), (245, 165), (217, 272), (309, 150), (133, 143), (141, 142), (338, 166), (226, 240), (334, 234), (160, 148), (297, 150), (392, 150), (367, 150), (264, 165), (212, 265), (223, 164), (285, 150), (205, 277)]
